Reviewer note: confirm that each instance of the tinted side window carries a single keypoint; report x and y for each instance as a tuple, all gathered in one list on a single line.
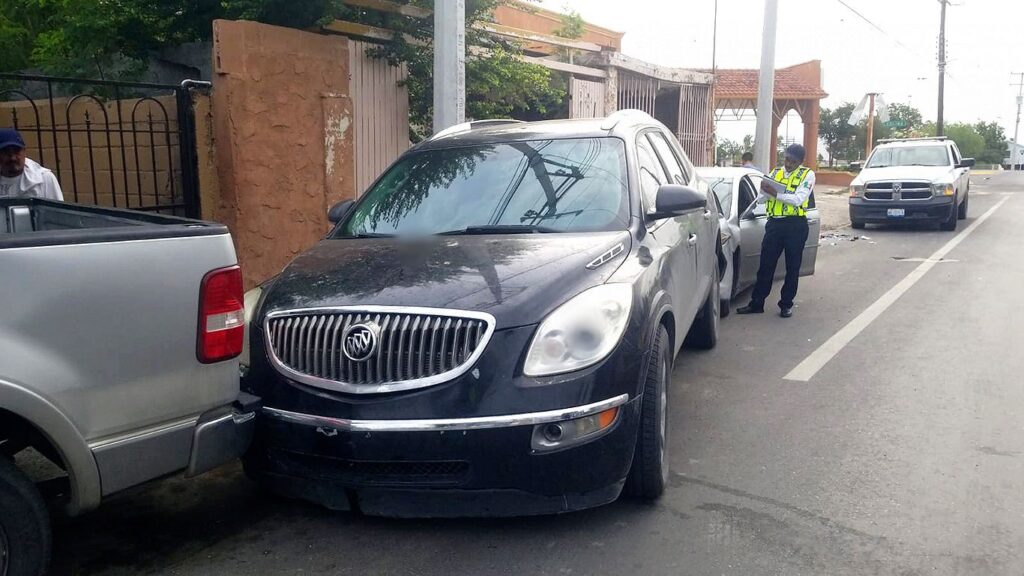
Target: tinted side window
[(651, 174), (675, 170)]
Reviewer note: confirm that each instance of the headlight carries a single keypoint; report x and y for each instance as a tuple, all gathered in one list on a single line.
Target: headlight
[(943, 189), (856, 190), (581, 332), (252, 297)]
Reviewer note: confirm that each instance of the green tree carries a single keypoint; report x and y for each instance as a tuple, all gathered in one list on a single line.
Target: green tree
[(728, 151), (995, 143), (115, 38), (835, 130), (967, 138)]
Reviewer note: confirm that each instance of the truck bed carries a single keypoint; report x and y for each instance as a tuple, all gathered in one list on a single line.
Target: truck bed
[(29, 222)]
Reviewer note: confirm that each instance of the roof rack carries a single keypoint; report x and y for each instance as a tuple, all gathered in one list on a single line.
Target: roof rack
[(614, 118), (926, 138), (467, 126)]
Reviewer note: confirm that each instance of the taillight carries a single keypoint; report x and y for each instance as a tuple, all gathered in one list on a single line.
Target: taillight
[(221, 315)]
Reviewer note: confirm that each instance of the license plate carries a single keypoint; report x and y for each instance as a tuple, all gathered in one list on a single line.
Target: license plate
[(896, 212)]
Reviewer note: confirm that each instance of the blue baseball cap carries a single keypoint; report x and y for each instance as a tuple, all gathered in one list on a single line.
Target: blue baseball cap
[(9, 137)]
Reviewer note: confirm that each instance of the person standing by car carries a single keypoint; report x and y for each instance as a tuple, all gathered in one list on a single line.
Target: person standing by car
[(787, 193), (21, 177), (748, 161)]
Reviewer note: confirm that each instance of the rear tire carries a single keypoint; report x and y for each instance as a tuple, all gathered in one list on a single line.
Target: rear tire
[(857, 225), (24, 525), (648, 475), (704, 330), (961, 212)]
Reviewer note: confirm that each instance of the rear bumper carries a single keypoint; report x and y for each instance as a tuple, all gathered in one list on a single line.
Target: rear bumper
[(222, 435), (443, 468), (877, 211)]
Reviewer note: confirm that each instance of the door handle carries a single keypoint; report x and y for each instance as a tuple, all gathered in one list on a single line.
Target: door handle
[(707, 214), (692, 240)]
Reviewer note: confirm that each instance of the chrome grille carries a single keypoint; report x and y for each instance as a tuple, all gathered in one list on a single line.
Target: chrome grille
[(910, 190), (415, 347)]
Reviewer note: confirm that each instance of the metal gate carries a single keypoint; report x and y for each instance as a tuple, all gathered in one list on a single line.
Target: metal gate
[(586, 99), (118, 144), (696, 115)]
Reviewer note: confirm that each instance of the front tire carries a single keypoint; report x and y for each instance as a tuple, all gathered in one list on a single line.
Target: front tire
[(24, 525), (856, 225), (648, 475), (961, 212), (704, 330)]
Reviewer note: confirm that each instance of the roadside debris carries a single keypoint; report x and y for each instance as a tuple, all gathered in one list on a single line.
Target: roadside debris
[(835, 237)]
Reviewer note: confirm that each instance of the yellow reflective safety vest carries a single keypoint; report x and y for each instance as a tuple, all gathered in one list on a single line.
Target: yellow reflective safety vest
[(778, 209)]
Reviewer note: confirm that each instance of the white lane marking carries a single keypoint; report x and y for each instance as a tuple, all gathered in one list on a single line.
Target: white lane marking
[(817, 360)]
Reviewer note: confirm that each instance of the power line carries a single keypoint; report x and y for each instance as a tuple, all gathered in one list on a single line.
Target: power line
[(880, 29)]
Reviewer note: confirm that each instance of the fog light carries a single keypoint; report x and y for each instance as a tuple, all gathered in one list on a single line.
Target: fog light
[(558, 435)]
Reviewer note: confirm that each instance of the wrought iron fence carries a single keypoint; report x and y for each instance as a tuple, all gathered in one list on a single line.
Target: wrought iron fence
[(120, 144)]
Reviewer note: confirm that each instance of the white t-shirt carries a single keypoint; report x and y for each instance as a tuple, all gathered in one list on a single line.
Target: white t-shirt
[(33, 182)]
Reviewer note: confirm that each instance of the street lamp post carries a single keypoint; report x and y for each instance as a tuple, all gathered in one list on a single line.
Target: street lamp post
[(449, 63)]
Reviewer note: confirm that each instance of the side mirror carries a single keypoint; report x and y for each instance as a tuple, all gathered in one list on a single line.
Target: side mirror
[(674, 199), (338, 212), (754, 211), (858, 165), (966, 163)]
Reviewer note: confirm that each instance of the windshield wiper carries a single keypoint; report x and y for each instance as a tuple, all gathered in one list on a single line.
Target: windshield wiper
[(500, 229), (367, 235)]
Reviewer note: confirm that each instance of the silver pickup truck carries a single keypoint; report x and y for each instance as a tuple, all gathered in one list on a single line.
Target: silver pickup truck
[(119, 337)]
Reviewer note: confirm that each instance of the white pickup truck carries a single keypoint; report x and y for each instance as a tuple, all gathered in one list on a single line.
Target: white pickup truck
[(119, 337), (911, 180)]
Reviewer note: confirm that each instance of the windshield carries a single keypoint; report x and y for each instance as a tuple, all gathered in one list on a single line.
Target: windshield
[(722, 187), (909, 156), (574, 185)]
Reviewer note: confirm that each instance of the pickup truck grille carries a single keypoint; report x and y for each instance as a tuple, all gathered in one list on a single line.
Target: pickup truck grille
[(404, 348), (912, 190)]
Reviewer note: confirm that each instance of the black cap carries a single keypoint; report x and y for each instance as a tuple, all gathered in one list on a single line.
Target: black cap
[(796, 152)]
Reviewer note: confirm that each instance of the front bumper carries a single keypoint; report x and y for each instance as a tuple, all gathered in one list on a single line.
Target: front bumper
[(443, 468), (877, 211)]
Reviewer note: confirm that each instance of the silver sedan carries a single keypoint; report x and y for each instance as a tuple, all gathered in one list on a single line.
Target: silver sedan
[(742, 225)]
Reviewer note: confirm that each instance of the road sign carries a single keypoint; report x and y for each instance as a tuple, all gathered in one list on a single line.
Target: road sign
[(895, 124)]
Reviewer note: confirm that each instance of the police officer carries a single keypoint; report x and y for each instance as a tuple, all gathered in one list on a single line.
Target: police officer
[(787, 192)]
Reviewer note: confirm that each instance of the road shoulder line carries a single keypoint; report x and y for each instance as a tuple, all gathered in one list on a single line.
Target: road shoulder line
[(817, 360)]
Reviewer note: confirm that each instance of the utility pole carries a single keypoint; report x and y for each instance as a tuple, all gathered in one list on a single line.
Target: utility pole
[(1014, 154), (871, 125), (449, 63), (939, 128), (763, 148)]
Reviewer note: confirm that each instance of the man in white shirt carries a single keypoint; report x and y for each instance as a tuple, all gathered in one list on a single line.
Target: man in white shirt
[(21, 177), (787, 192), (748, 161)]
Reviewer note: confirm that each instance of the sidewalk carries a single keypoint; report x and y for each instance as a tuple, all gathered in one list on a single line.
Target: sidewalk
[(833, 205)]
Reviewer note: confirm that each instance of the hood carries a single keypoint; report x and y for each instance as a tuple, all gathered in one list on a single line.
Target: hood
[(926, 173), (518, 279)]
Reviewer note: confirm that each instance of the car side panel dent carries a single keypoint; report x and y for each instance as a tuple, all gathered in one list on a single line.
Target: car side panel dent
[(58, 429)]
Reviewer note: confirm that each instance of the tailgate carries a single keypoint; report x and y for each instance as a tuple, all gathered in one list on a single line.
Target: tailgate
[(107, 331)]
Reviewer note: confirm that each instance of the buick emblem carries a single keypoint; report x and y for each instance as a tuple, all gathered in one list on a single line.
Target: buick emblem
[(897, 186), (359, 342)]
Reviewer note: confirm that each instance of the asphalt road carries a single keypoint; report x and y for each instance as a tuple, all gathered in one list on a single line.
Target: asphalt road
[(903, 454)]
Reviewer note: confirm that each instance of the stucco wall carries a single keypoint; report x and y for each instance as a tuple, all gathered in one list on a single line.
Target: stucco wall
[(282, 120)]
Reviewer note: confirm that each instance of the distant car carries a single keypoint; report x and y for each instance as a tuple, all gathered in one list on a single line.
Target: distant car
[(912, 180), (490, 329), (742, 229)]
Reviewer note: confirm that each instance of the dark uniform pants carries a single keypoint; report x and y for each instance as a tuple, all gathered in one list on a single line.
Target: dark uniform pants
[(787, 235)]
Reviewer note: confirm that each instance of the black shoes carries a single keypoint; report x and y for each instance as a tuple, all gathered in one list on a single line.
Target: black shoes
[(750, 309), (786, 312)]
